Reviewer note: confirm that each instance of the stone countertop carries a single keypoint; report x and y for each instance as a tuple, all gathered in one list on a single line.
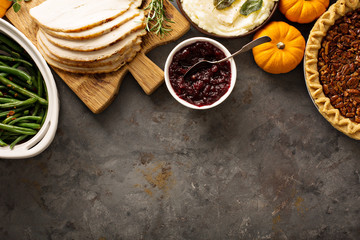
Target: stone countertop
[(263, 165)]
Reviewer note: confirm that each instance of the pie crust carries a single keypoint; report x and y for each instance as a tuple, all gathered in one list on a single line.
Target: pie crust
[(336, 11)]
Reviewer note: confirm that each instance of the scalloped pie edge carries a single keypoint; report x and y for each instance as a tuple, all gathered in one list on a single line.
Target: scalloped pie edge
[(331, 114)]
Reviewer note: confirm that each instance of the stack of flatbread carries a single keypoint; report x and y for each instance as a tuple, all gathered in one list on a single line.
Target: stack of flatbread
[(89, 36)]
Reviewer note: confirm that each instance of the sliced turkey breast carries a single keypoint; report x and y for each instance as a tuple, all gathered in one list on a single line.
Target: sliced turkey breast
[(107, 61), (114, 66), (102, 41), (78, 15), (98, 30), (104, 53)]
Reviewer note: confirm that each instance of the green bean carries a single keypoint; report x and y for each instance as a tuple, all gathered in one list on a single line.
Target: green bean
[(17, 88), (12, 59), (17, 95), (36, 109), (9, 51), (16, 72), (2, 87), (16, 141), (18, 104), (43, 115), (4, 64), (26, 112), (16, 65), (34, 83), (14, 111), (32, 72), (35, 118), (6, 134), (35, 126), (11, 44), (41, 112), (8, 100), (15, 129), (10, 137), (22, 84), (40, 83), (2, 143), (11, 118)]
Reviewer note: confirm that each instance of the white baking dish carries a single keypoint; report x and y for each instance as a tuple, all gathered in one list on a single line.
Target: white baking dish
[(46, 134)]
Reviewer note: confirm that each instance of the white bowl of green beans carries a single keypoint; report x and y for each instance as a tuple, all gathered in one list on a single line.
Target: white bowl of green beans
[(29, 104)]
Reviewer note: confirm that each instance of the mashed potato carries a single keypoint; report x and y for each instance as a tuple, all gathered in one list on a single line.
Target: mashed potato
[(228, 21)]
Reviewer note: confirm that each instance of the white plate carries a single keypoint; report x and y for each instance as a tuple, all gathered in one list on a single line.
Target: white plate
[(46, 134)]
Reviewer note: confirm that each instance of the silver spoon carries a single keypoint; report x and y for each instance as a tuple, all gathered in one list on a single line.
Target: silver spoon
[(245, 48)]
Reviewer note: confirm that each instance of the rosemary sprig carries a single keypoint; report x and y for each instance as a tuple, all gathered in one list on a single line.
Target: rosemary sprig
[(156, 19)]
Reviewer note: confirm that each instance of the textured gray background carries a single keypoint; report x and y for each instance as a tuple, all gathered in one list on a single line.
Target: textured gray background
[(263, 165)]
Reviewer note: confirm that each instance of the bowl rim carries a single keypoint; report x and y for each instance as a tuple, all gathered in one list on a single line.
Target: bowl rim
[(227, 37), (186, 43), (39, 142)]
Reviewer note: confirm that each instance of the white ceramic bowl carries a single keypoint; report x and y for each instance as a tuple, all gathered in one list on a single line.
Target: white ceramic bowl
[(189, 42), (46, 134)]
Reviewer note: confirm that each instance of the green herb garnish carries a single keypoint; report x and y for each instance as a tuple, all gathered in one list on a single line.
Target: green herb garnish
[(250, 6), (156, 19), (221, 4), (16, 6)]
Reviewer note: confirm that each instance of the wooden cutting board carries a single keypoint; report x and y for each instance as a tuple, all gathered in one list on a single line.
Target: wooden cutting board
[(97, 91)]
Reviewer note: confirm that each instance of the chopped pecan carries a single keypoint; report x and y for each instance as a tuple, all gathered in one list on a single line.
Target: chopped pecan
[(339, 65)]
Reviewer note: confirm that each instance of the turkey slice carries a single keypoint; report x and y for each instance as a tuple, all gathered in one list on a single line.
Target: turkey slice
[(78, 15), (114, 66), (102, 41), (104, 53), (98, 30), (107, 61)]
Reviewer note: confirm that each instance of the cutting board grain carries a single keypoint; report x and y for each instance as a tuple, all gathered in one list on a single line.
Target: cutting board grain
[(97, 91)]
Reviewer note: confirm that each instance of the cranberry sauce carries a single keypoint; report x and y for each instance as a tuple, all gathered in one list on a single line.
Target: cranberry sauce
[(208, 84)]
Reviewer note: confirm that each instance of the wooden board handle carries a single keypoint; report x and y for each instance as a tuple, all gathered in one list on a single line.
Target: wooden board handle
[(146, 73)]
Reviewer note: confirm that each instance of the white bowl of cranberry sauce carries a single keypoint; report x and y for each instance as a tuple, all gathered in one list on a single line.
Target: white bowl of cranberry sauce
[(207, 87)]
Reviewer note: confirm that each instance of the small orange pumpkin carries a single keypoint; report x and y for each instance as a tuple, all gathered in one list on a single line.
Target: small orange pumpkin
[(4, 5), (284, 52), (303, 11)]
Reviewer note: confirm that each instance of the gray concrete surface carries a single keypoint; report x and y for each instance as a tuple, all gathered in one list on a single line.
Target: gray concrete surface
[(263, 165)]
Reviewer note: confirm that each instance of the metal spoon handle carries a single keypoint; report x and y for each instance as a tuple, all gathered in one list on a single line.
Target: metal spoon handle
[(248, 46), (245, 48)]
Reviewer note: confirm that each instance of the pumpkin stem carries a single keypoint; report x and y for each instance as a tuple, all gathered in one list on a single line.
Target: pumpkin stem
[(280, 45)]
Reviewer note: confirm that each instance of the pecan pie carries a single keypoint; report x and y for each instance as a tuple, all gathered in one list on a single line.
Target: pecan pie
[(332, 66)]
